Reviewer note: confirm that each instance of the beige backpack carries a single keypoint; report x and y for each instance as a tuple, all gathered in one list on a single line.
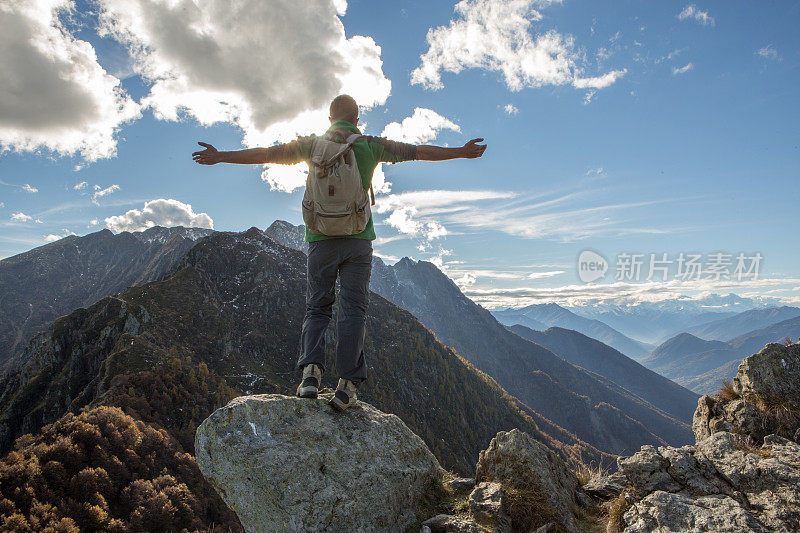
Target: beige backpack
[(335, 202)]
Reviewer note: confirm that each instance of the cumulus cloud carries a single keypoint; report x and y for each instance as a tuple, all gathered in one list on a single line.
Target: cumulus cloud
[(99, 192), (56, 237), (160, 212), (422, 126), (676, 71), (510, 109), (692, 12), (80, 186), (28, 188), (285, 178), (56, 95), (270, 68), (21, 217), (495, 35)]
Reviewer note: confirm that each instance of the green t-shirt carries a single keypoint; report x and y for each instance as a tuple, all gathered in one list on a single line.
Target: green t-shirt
[(369, 151)]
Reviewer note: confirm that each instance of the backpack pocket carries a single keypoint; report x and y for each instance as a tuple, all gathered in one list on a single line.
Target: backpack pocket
[(332, 220)]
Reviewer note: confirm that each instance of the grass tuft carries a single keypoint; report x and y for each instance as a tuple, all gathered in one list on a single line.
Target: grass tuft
[(726, 392), (615, 510), (585, 472)]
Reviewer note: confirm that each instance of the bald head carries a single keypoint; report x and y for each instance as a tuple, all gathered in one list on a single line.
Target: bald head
[(344, 107)]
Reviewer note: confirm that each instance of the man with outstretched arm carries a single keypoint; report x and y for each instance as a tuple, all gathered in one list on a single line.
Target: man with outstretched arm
[(348, 257)]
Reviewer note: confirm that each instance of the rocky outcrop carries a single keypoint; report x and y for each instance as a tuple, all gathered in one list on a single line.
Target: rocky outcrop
[(742, 474), (764, 398), (771, 375), (717, 485), (290, 464), (533, 474)]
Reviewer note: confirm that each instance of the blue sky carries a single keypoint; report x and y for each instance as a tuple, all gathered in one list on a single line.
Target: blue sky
[(639, 127)]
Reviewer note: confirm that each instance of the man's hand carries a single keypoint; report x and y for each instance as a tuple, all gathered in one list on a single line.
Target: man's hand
[(209, 156), (472, 150)]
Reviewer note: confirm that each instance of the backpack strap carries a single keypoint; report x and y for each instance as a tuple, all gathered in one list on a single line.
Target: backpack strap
[(344, 149)]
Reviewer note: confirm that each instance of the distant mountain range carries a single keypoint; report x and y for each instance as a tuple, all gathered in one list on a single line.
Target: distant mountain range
[(731, 327), (543, 316), (40, 285), (702, 364), (604, 360), (655, 322)]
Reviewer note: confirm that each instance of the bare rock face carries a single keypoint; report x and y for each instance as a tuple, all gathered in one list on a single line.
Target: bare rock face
[(291, 464), (605, 487), (772, 374), (519, 462), (444, 523), (486, 501)]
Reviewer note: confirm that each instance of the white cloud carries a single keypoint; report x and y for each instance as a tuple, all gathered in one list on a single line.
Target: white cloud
[(768, 52), (80, 186), (270, 68), (682, 70), (623, 293), (21, 217), (599, 82), (285, 178), (160, 212), (495, 35), (27, 188), (55, 94), (422, 126), (99, 192), (692, 12), (510, 109), (599, 171), (417, 213), (54, 237)]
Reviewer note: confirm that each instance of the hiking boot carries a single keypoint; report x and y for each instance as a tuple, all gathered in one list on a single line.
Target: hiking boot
[(345, 395), (312, 379)]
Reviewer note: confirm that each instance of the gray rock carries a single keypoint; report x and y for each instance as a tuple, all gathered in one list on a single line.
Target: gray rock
[(665, 512), (444, 523), (772, 374), (290, 464), (461, 483), (549, 527), (486, 501), (518, 461), (646, 470), (605, 487), (718, 484)]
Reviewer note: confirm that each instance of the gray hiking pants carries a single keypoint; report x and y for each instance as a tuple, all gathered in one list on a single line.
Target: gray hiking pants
[(351, 260)]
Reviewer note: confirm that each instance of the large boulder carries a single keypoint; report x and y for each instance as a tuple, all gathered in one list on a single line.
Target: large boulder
[(533, 476), (290, 464)]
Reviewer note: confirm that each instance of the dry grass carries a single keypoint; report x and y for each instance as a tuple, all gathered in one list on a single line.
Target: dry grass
[(726, 392), (615, 509), (585, 472), (784, 415)]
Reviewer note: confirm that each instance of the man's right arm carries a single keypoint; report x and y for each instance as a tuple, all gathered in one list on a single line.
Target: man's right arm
[(471, 150), (287, 154)]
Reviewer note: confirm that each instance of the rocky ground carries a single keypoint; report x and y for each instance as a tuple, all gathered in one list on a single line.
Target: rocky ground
[(283, 463)]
